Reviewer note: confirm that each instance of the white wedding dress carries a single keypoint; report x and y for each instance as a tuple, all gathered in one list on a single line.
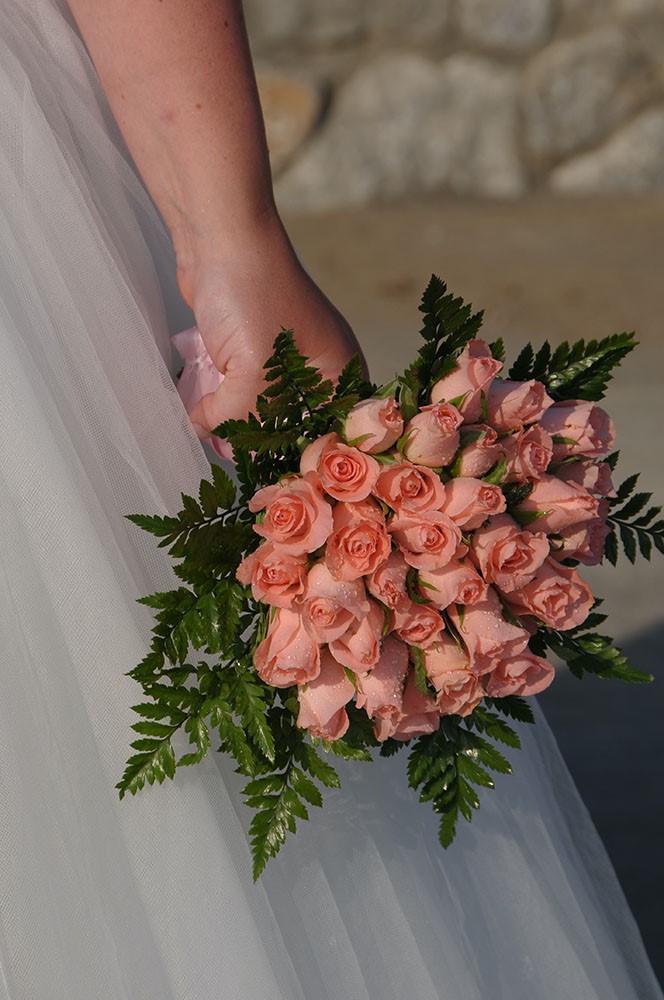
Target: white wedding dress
[(151, 898)]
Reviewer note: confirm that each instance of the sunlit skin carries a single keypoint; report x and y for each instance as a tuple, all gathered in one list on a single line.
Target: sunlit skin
[(180, 82)]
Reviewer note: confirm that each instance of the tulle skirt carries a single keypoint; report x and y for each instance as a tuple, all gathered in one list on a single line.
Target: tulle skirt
[(151, 898)]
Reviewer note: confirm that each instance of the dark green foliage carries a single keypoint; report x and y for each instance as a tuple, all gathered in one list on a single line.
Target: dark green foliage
[(281, 795), (497, 349), (446, 766), (634, 521), (578, 371), (587, 652), (513, 707)]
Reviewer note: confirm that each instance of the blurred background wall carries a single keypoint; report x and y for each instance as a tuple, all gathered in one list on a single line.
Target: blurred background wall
[(370, 100)]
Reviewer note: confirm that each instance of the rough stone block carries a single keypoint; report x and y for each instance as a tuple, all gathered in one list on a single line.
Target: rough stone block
[(576, 90), (415, 21), (631, 161), (403, 124), (301, 23), (506, 25)]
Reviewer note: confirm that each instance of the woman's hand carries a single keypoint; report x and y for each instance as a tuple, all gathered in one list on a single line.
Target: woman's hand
[(241, 298)]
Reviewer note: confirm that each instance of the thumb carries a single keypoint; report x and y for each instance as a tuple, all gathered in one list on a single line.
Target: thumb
[(233, 400)]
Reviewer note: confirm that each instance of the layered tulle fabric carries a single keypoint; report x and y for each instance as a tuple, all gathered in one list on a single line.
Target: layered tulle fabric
[(151, 898)]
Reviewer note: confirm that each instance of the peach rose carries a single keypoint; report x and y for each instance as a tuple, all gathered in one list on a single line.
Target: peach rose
[(388, 583), (343, 472), (410, 488), (416, 624), (329, 607), (419, 716), (587, 428), (460, 693), (444, 656), (380, 692), (427, 540), (486, 634), (469, 502), (359, 543), (592, 476), (561, 505), (528, 453), (475, 370), (455, 583), (448, 669), (508, 557), (584, 542), (432, 436), (288, 655), (323, 700), (275, 575), (359, 510), (513, 404), (556, 596), (359, 647), (374, 425), (523, 674), (297, 516), (479, 451)]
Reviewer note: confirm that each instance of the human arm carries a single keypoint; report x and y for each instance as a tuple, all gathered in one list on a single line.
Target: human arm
[(180, 82)]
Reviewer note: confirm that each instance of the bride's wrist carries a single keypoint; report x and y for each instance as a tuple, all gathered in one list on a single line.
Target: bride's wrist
[(230, 246)]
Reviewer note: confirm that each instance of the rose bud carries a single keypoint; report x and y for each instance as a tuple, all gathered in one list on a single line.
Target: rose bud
[(475, 370), (288, 655), (329, 607), (510, 405), (584, 542), (455, 583), (427, 540), (592, 476), (417, 624), (374, 425), (410, 488), (388, 583), (447, 667), (323, 700), (380, 692), (276, 576), (343, 472), (469, 502), (528, 453), (355, 511), (479, 451), (298, 518), (419, 716), (432, 436), (486, 634), (556, 596), (507, 556), (359, 647), (523, 674), (579, 427), (446, 655), (560, 505)]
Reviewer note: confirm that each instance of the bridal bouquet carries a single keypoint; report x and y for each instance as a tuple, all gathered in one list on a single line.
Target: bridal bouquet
[(392, 570)]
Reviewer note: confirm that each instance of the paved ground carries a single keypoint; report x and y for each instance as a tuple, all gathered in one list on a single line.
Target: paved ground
[(560, 270)]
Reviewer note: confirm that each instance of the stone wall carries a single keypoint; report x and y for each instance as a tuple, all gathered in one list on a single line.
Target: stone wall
[(375, 99)]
